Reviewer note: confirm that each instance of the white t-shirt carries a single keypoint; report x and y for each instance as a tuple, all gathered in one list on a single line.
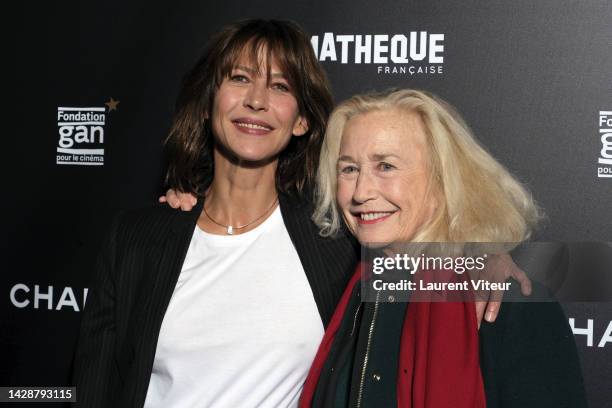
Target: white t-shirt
[(242, 326)]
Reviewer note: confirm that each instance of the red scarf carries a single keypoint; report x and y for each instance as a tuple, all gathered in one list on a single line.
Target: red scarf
[(439, 362)]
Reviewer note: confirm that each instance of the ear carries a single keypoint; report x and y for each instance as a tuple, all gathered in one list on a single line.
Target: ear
[(301, 127)]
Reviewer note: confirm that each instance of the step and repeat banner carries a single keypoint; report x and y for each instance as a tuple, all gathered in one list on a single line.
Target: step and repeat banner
[(93, 92)]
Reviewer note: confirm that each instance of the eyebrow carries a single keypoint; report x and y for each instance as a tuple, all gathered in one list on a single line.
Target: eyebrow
[(374, 157), (254, 71), (346, 158), (383, 156)]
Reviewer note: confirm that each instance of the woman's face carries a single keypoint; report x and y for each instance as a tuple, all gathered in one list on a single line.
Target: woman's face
[(254, 119), (383, 176)]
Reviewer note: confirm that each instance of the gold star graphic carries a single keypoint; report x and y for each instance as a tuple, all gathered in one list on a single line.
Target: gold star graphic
[(112, 104)]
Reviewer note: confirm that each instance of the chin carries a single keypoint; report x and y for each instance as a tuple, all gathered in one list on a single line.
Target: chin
[(253, 155), (374, 240), (374, 245)]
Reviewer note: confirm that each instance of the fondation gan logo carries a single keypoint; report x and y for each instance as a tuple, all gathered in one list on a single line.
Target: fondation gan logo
[(604, 167), (81, 134), (415, 53)]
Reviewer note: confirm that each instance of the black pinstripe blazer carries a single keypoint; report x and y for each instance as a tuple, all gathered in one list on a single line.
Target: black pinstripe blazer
[(135, 277)]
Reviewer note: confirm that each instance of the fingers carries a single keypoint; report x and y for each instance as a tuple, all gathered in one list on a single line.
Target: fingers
[(176, 199), (480, 310), (523, 280), (481, 300), (186, 201), (494, 269), (171, 199), (512, 270), (500, 268), (492, 310), (489, 310), (493, 306), (184, 204)]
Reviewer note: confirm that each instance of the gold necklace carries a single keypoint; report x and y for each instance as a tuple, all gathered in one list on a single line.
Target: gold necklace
[(230, 229)]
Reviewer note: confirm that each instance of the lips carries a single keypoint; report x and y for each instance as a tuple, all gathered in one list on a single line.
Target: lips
[(372, 217), (252, 126)]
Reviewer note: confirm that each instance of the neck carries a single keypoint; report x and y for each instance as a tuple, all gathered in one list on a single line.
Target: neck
[(239, 193)]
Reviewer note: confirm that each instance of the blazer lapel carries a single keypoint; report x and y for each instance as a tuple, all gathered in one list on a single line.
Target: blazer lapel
[(327, 262), (165, 268)]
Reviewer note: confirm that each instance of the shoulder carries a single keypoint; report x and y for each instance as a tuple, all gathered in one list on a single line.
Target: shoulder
[(300, 202), (535, 318), (151, 215), (530, 333), (540, 310), (529, 357), (152, 222), (297, 213)]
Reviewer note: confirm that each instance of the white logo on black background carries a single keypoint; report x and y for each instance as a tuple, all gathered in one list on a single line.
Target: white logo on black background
[(604, 169), (415, 53), (81, 136), (46, 297), (589, 332)]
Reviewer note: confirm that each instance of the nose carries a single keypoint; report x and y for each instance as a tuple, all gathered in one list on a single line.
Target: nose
[(365, 188), (257, 96)]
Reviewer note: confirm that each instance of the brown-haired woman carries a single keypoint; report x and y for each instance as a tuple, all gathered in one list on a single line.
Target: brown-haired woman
[(224, 305)]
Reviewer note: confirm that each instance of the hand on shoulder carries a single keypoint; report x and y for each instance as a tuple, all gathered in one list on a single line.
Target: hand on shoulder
[(177, 199)]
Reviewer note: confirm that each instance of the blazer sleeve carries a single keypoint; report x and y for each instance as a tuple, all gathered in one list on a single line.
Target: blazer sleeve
[(95, 372), (537, 360)]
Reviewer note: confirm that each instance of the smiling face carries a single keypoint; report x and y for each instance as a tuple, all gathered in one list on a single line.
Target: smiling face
[(253, 119), (383, 177)]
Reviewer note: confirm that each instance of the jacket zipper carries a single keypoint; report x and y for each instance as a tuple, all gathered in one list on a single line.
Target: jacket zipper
[(355, 320), (368, 344)]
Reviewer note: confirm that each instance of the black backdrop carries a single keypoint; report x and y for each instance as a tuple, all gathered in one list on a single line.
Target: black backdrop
[(531, 78)]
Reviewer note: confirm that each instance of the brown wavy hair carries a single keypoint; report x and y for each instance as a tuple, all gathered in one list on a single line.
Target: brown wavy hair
[(189, 144)]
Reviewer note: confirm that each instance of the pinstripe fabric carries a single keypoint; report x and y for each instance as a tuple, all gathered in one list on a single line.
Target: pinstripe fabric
[(135, 277), (328, 262)]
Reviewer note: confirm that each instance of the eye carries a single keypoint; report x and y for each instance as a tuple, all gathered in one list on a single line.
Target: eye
[(384, 166), (348, 169), (239, 78), (279, 86)]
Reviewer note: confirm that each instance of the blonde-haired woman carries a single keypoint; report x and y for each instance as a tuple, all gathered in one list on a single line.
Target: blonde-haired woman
[(402, 166)]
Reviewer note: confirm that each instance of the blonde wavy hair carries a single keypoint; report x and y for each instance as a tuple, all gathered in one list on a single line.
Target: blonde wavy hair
[(478, 199)]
